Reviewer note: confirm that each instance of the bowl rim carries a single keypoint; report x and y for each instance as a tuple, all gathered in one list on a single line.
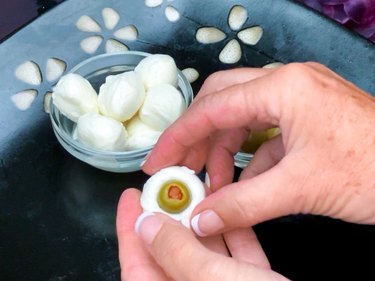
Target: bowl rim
[(85, 149)]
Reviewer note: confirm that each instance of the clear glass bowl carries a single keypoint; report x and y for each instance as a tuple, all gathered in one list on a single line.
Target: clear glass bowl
[(95, 70), (242, 159)]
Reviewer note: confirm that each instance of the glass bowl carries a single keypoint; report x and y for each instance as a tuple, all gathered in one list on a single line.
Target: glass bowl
[(95, 70), (242, 159)]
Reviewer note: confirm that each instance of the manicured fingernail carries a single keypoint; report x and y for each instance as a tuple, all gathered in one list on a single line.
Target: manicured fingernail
[(147, 226), (206, 223), (207, 180)]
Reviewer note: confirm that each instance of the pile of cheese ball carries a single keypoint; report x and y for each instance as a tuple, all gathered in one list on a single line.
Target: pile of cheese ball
[(131, 109)]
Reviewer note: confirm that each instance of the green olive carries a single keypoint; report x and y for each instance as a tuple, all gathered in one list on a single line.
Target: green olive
[(257, 138), (174, 197)]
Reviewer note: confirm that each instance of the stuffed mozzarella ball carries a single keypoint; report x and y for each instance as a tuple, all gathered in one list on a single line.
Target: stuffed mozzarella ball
[(140, 135), (74, 96), (101, 132), (121, 96), (174, 191), (157, 69), (162, 106)]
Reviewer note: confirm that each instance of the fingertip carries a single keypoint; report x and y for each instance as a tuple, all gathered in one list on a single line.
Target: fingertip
[(128, 209)]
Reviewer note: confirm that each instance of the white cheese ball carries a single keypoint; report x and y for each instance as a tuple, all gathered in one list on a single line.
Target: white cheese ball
[(140, 135), (74, 96), (157, 69), (149, 197), (162, 106), (121, 96), (101, 132)]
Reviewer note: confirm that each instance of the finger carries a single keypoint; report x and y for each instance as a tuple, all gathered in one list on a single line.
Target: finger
[(267, 156), (135, 261), (255, 103), (183, 257), (244, 246), (220, 162), (216, 244), (269, 195)]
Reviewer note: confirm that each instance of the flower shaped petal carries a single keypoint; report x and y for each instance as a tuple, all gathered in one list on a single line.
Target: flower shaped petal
[(91, 44), (153, 3), (110, 17), (209, 35), (273, 65), (54, 69), (191, 74), (231, 52), (23, 100), (172, 14), (128, 32), (251, 35), (237, 17), (29, 72), (87, 24), (114, 46), (46, 102)]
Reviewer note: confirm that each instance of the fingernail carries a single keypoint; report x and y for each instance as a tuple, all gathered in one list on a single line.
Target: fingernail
[(207, 180), (144, 160), (206, 223), (147, 226)]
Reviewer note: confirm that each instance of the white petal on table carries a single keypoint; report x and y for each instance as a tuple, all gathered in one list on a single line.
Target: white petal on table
[(91, 44), (231, 52), (153, 3), (251, 35), (209, 35), (172, 14), (273, 65), (87, 24), (110, 17), (46, 102), (128, 32), (237, 17), (54, 68), (191, 74), (29, 72), (24, 99), (114, 46)]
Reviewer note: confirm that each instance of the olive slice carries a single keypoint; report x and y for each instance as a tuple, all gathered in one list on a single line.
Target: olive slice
[(174, 197)]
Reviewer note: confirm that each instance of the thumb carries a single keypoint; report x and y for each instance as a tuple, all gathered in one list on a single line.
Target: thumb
[(266, 196), (183, 257)]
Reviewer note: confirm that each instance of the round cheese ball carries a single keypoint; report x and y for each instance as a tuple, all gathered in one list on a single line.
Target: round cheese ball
[(74, 96), (140, 135), (162, 106), (101, 132), (157, 69), (121, 96)]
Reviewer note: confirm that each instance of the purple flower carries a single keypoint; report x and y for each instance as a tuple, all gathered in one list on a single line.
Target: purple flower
[(356, 14)]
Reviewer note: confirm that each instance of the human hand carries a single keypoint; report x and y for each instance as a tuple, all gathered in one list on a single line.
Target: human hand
[(166, 250), (322, 164)]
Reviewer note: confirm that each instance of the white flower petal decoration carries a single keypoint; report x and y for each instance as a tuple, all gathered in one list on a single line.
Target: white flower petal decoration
[(87, 24), (29, 72), (121, 96), (157, 69), (101, 132), (128, 32), (273, 65), (54, 68), (46, 102), (153, 3), (231, 52), (162, 106), (172, 14), (237, 17), (209, 35), (24, 99), (140, 135), (114, 46), (251, 35), (191, 74), (174, 191), (110, 17), (91, 44), (74, 96)]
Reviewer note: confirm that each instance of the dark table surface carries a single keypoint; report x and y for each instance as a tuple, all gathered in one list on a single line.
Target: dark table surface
[(64, 229)]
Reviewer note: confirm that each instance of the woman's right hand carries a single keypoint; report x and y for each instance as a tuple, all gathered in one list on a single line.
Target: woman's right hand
[(322, 164)]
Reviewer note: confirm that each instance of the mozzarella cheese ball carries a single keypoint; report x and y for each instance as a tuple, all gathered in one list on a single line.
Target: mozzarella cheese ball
[(101, 132), (162, 106), (74, 96), (157, 69), (140, 135), (174, 191), (121, 96)]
